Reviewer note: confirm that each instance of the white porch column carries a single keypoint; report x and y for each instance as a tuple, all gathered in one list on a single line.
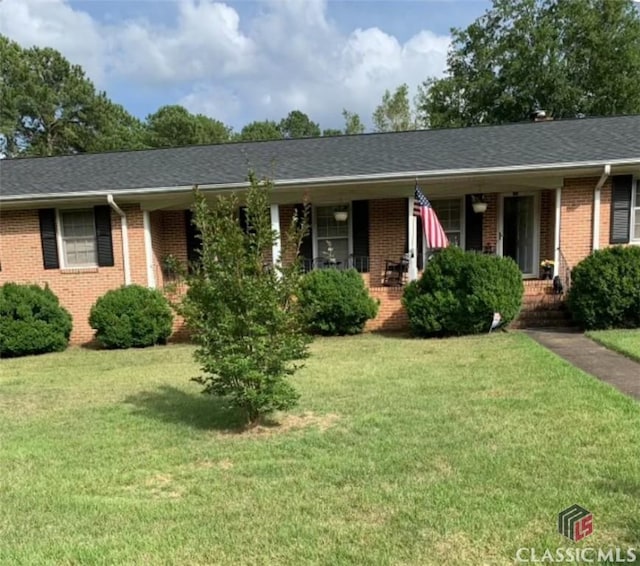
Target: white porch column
[(148, 249), (556, 233), (276, 250), (413, 242)]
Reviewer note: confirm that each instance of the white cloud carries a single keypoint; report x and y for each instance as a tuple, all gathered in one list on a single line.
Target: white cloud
[(53, 23), (289, 56)]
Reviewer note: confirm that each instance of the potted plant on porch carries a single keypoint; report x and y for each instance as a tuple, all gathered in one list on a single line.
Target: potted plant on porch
[(546, 266), (479, 203)]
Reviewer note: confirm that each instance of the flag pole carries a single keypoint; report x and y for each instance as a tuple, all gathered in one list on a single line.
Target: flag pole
[(412, 238)]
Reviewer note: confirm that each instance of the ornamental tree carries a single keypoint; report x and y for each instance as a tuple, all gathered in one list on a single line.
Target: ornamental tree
[(241, 308)]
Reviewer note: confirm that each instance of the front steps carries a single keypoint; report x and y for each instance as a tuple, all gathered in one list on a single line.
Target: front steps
[(541, 307)]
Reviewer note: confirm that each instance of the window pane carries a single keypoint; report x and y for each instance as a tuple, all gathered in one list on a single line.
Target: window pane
[(454, 238), (78, 237), (339, 249), (449, 213), (78, 224), (328, 226), (636, 233)]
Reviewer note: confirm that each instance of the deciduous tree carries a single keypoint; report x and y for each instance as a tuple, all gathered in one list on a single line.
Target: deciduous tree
[(568, 57), (260, 130), (174, 125), (241, 309), (298, 125), (352, 123), (393, 114)]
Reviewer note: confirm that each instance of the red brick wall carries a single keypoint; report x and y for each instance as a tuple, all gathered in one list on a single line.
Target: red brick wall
[(547, 224), (77, 289), (387, 234), (605, 214), (576, 221), (490, 222)]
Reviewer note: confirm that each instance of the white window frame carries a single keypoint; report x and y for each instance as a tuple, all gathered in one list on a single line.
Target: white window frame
[(635, 207), (463, 218), (314, 228), (59, 239)]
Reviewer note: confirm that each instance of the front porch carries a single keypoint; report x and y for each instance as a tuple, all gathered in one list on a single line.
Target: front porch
[(370, 233)]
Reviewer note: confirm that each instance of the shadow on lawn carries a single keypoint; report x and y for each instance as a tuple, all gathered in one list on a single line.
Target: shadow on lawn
[(631, 525), (173, 405)]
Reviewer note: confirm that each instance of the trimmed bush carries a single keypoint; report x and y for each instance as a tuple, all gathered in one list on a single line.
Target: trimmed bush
[(605, 289), (131, 317), (335, 302), (31, 321), (459, 292)]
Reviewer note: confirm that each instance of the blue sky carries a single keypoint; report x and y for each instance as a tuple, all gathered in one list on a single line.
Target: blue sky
[(242, 61)]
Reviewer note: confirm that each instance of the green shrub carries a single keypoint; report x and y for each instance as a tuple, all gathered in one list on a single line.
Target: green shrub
[(31, 321), (335, 302), (605, 289), (131, 317), (242, 310), (459, 292)]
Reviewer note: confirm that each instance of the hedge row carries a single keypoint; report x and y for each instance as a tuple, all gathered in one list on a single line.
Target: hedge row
[(457, 294)]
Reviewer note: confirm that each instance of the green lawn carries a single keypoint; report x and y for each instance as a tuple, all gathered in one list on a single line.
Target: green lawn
[(626, 342), (452, 451)]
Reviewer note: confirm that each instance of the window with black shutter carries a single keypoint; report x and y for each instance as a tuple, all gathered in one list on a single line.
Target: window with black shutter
[(76, 238)]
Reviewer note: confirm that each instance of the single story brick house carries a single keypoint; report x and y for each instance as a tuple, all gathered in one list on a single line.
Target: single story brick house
[(84, 224)]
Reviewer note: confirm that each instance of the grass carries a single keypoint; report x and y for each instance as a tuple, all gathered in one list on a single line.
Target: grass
[(401, 452), (625, 342)]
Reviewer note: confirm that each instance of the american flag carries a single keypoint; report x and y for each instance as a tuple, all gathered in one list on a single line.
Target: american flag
[(433, 231)]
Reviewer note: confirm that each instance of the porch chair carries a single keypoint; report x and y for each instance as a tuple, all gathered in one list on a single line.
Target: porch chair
[(394, 271)]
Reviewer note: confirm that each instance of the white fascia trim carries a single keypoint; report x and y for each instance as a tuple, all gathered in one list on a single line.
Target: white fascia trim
[(338, 180), (556, 232), (125, 239)]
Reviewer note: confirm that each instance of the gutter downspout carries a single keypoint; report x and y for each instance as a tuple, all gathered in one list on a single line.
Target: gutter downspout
[(596, 206), (125, 239)]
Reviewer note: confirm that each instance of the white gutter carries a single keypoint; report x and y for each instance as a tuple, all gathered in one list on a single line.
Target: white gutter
[(596, 206), (125, 239), (148, 249), (556, 233), (408, 176)]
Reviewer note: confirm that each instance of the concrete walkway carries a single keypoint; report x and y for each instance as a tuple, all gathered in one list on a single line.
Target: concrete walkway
[(606, 365)]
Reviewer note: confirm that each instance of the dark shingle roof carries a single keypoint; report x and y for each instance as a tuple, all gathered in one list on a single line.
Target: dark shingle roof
[(428, 151)]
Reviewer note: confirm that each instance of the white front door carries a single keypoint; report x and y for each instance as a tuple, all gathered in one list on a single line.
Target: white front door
[(518, 231)]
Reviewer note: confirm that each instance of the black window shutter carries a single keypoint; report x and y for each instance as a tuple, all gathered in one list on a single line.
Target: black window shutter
[(48, 237), (620, 209), (472, 227), (194, 243), (104, 242), (360, 234), (306, 248)]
